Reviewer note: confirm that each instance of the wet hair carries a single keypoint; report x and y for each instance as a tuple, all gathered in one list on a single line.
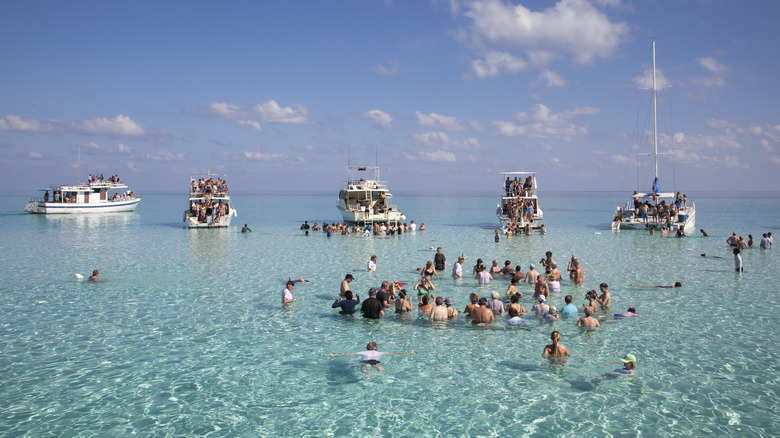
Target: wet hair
[(567, 299), (349, 277), (371, 346), (348, 294), (518, 268), (425, 299), (678, 284), (439, 301), (429, 263), (473, 298), (555, 337), (507, 263), (604, 285), (514, 298), (95, 272), (402, 293), (483, 301)]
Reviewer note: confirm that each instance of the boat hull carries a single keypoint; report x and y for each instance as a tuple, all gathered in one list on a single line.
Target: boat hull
[(363, 217), (41, 207), (630, 222), (223, 222)]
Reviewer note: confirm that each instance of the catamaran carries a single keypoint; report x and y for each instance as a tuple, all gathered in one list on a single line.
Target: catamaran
[(656, 209), (519, 204), (209, 202), (364, 198)]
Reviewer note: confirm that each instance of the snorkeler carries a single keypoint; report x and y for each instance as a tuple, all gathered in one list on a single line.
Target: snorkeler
[(370, 357), (677, 284)]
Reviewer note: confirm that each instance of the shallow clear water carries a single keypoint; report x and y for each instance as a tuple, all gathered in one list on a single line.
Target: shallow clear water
[(187, 335)]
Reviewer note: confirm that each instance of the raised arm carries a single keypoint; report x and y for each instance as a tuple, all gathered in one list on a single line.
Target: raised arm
[(341, 354)]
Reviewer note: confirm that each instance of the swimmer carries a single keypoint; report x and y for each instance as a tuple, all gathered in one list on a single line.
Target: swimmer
[(628, 314), (629, 366), (370, 357), (677, 284), (246, 229), (712, 257), (94, 276), (703, 233), (555, 349), (588, 322)]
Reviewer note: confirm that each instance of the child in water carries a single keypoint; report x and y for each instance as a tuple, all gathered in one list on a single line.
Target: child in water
[(370, 357)]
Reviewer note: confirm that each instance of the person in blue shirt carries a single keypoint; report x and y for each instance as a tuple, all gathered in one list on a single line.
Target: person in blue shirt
[(569, 310), (347, 305)]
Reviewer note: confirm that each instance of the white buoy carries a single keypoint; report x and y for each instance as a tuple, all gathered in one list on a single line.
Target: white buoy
[(79, 276)]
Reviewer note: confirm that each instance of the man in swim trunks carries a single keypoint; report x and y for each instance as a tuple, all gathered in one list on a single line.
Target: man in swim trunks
[(576, 273), (606, 298), (532, 276), (588, 321), (370, 357), (439, 313), (733, 240), (482, 315), (345, 285)]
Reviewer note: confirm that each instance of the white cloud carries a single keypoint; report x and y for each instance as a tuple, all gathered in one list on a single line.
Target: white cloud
[(732, 162), (716, 74), (390, 70), (497, 63), (544, 123), (550, 79), (434, 157), (774, 159), (644, 80), (553, 162), (443, 141), (164, 156), (267, 112), (381, 118), (34, 155), (94, 148), (120, 125), (439, 121), (259, 155), (574, 28)]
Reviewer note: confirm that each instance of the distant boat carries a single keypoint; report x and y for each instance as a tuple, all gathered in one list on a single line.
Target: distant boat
[(519, 203), (80, 198), (656, 209), (209, 202), (365, 199)]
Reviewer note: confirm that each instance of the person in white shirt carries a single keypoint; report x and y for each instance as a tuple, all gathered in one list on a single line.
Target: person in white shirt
[(287, 293), (372, 264), (370, 357), (457, 269)]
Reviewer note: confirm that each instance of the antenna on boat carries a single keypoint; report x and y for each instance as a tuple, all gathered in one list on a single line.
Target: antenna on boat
[(655, 123), (78, 165)]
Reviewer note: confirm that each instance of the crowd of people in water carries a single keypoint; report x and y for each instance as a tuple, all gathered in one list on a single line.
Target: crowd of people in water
[(367, 230), (203, 205), (536, 285)]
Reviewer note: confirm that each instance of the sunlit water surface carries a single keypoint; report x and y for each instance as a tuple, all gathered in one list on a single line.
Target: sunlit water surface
[(187, 335)]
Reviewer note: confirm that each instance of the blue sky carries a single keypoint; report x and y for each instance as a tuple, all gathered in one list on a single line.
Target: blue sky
[(443, 95)]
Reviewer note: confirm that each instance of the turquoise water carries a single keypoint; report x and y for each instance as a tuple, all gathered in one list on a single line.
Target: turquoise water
[(187, 336)]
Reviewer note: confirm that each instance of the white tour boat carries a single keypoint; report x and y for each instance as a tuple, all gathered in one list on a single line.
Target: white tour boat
[(365, 199), (655, 209), (519, 201), (209, 202), (92, 197)]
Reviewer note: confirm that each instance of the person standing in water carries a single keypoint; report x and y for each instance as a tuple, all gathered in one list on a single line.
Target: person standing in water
[(555, 349)]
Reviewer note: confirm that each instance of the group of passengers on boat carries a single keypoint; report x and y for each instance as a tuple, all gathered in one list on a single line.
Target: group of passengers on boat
[(515, 187), (208, 208), (661, 213), (519, 210), (114, 179), (208, 187)]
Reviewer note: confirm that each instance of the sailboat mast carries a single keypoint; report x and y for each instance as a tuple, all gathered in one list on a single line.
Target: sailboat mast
[(655, 121)]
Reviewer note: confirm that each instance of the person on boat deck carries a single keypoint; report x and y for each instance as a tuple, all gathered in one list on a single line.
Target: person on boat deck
[(46, 196)]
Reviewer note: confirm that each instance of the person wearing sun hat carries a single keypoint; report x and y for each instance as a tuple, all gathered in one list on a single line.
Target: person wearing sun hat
[(629, 366)]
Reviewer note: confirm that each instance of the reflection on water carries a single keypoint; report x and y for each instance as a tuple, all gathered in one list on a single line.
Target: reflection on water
[(207, 252)]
